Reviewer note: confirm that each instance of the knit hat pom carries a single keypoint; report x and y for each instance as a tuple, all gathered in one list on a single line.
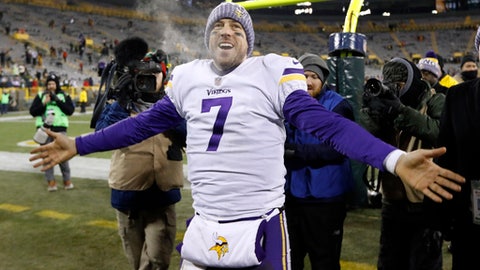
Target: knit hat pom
[(431, 54)]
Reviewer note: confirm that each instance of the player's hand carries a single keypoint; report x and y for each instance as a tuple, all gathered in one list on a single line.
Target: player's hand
[(61, 149), (418, 170)]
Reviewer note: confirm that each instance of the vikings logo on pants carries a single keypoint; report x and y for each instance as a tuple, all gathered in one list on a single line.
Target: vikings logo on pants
[(221, 246)]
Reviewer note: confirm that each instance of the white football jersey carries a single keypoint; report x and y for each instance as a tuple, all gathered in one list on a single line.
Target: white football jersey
[(235, 133)]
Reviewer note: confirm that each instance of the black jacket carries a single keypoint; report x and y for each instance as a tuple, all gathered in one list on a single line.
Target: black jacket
[(460, 133)]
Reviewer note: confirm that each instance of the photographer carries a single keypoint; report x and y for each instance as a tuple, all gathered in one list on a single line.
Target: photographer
[(55, 105), (144, 178), (404, 111)]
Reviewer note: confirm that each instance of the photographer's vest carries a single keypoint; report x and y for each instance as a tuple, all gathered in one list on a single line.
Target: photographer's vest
[(60, 119), (5, 98), (138, 166)]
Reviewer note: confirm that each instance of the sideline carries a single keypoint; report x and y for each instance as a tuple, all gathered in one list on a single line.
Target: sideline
[(81, 167)]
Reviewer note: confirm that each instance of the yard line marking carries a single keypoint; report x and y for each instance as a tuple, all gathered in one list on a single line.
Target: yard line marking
[(179, 236), (356, 266), (103, 223), (54, 214), (13, 207)]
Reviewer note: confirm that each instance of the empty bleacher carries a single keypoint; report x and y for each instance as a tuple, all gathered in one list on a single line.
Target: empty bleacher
[(179, 31)]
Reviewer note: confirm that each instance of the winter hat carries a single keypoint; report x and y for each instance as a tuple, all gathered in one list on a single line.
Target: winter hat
[(432, 54), (395, 71), (401, 70), (53, 77), (431, 65), (235, 12), (467, 58), (477, 39), (314, 63)]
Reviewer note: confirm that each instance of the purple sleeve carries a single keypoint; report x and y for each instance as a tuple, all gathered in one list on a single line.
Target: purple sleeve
[(132, 130), (346, 136)]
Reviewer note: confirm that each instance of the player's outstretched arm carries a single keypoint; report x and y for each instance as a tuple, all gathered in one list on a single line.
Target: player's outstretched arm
[(61, 149), (418, 170)]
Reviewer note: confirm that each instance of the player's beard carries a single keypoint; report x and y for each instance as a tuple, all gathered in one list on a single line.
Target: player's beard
[(227, 59)]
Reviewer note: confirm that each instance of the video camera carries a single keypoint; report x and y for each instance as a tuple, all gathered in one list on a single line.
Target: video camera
[(144, 79), (136, 79), (374, 87), (131, 76), (142, 73)]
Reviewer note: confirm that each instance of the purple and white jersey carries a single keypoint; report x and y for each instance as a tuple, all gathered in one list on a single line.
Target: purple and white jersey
[(235, 133)]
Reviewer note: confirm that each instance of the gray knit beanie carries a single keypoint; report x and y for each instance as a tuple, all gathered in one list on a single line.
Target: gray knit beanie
[(477, 39), (314, 63), (235, 12)]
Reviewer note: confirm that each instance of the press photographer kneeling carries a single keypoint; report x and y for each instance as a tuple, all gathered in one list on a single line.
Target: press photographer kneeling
[(404, 111)]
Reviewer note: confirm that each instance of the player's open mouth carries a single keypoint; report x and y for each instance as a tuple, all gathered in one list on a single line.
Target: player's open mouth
[(225, 46)]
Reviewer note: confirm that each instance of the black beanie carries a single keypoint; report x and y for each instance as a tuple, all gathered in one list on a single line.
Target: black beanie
[(467, 58), (53, 77)]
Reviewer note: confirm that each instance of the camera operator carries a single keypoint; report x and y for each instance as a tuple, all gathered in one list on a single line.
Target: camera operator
[(55, 106), (405, 112), (144, 178)]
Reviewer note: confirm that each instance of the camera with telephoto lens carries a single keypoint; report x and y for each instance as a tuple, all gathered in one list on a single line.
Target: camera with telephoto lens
[(374, 87)]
